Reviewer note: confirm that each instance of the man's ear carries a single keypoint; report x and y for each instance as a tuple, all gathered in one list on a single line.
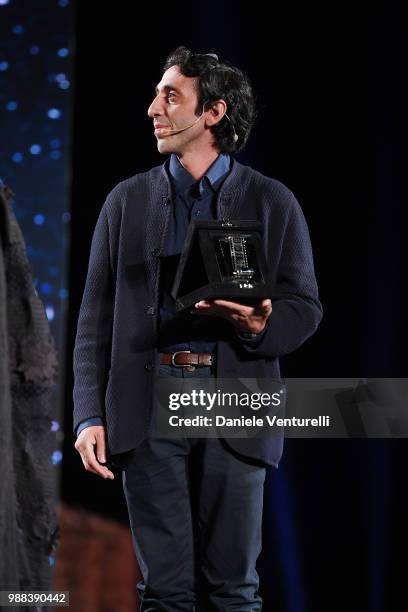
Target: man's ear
[(215, 113)]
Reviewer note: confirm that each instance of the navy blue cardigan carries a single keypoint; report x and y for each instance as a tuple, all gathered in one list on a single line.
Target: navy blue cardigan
[(115, 354)]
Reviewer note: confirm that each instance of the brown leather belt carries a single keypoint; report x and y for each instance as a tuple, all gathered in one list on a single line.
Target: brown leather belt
[(187, 358)]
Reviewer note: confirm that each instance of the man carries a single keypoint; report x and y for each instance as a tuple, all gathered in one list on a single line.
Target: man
[(195, 505)]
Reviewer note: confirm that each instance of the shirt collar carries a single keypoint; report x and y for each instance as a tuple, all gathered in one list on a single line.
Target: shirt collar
[(182, 179)]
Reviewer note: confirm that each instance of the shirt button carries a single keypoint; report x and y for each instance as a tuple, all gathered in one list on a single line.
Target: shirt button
[(150, 310), (148, 366), (156, 252)]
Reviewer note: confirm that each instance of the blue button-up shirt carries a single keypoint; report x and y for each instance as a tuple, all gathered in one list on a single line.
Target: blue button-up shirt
[(192, 199)]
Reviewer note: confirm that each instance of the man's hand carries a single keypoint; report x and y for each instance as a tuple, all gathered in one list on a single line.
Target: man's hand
[(89, 438), (244, 318)]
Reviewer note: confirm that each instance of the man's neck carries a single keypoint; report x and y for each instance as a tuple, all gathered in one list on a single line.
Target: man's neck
[(198, 164)]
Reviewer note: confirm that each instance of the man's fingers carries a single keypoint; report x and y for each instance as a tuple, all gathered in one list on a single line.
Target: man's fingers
[(91, 445), (91, 464), (209, 309), (243, 309), (265, 306), (233, 311), (222, 308), (100, 450), (234, 306)]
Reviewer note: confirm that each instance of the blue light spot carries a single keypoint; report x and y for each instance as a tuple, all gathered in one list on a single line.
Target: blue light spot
[(46, 288), (63, 2), (12, 106), (63, 52), (3, 66), (54, 113), (56, 457), (55, 154), (60, 77), (35, 49), (66, 217), (39, 219), (18, 29), (50, 312), (64, 85), (35, 149), (63, 293), (17, 157), (55, 426), (51, 560), (55, 143), (3, 2)]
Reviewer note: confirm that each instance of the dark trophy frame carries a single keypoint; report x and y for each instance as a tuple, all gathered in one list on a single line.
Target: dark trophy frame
[(222, 259)]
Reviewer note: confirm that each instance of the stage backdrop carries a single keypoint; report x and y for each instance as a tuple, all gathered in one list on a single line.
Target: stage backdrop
[(36, 44), (331, 87)]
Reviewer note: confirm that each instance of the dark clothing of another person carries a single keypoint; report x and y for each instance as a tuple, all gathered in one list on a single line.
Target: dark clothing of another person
[(28, 371)]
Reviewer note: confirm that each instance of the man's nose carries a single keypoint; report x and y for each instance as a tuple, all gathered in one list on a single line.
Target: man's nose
[(154, 108)]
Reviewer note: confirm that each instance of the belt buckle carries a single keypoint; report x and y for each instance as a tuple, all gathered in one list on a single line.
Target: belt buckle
[(189, 367)]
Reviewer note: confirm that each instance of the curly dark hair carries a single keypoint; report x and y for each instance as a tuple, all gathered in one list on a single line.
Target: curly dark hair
[(219, 80)]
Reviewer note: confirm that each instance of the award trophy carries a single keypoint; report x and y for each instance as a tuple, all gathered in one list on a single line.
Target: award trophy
[(221, 259)]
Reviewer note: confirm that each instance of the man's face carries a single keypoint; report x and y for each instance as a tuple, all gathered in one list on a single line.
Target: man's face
[(173, 108)]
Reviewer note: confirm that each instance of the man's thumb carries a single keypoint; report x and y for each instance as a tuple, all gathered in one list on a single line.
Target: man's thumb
[(263, 306)]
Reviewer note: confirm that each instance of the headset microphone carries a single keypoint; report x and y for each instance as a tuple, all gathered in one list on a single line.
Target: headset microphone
[(183, 129), (171, 131)]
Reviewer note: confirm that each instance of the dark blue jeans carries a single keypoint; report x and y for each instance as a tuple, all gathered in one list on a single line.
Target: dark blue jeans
[(195, 510)]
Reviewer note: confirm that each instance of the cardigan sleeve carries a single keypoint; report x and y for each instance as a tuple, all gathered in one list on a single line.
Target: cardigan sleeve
[(92, 350), (87, 423), (296, 309), (255, 337)]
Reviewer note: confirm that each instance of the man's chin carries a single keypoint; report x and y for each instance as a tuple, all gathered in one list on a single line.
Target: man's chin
[(164, 147)]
